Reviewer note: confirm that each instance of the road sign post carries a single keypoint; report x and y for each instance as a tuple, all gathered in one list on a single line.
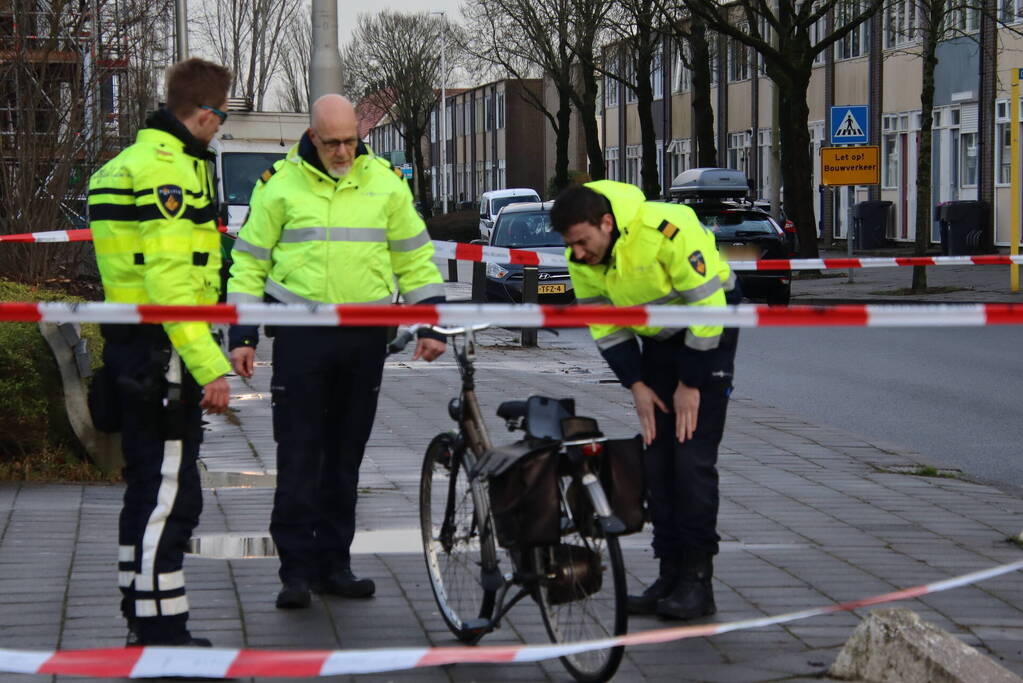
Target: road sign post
[(1014, 177)]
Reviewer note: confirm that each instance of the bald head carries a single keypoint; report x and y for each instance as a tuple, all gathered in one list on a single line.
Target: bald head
[(334, 131)]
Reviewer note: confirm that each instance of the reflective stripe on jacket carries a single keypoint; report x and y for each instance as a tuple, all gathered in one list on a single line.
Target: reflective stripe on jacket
[(153, 223), (310, 238), (663, 257)]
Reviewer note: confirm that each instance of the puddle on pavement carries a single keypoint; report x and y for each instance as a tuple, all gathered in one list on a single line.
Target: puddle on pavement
[(237, 546), (243, 480)]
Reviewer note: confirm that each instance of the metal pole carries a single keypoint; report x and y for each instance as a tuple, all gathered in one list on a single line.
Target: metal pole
[(444, 113), (1014, 177), (530, 295), (324, 61), (181, 30)]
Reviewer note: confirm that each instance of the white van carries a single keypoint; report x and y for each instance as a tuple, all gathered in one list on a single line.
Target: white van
[(492, 202)]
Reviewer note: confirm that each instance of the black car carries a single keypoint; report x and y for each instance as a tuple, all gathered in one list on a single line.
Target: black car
[(742, 231), (528, 227)]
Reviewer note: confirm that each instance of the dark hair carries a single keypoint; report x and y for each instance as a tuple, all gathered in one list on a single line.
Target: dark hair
[(195, 82), (578, 204)]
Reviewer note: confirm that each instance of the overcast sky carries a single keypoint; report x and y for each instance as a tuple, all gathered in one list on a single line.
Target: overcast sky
[(349, 10)]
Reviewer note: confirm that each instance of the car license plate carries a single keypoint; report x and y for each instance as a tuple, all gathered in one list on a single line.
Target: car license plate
[(550, 289), (741, 252)]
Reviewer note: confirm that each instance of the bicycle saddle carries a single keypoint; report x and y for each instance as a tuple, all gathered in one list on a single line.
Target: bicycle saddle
[(510, 410)]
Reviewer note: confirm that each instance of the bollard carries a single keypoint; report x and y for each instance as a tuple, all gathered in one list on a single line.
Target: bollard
[(530, 295), (479, 283)]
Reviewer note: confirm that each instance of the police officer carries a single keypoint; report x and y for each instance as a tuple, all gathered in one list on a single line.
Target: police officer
[(152, 211), (330, 223), (626, 251)]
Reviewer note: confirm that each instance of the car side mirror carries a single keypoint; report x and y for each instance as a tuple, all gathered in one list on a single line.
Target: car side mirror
[(483, 242)]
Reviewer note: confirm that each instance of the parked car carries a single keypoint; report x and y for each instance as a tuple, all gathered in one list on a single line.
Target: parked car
[(528, 227), (742, 231), (493, 201), (791, 235)]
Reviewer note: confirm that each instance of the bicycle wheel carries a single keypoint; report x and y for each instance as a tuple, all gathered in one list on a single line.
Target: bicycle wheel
[(582, 595), (458, 543)]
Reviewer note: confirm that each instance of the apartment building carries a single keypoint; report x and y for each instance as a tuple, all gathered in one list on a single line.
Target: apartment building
[(742, 100)]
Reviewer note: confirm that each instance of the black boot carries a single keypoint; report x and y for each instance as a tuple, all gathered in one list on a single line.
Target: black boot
[(693, 596), (646, 602)]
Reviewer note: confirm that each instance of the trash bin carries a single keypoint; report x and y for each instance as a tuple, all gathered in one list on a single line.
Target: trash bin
[(870, 223), (965, 228)]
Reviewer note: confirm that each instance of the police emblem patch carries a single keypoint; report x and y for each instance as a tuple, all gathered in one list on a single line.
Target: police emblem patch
[(171, 200), (697, 262)]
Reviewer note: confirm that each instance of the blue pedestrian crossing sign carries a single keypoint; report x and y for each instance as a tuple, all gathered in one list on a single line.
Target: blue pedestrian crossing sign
[(849, 125)]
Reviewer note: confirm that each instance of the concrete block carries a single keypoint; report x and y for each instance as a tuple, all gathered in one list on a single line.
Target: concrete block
[(895, 645)]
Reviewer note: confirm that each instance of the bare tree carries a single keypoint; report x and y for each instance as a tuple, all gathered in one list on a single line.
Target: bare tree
[(293, 92), (522, 38), (393, 61), (246, 35), (73, 88), (696, 53), (789, 65)]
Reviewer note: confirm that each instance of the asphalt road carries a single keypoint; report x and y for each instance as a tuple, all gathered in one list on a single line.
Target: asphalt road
[(950, 394)]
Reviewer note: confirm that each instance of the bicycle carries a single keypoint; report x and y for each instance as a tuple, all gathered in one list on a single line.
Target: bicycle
[(576, 575)]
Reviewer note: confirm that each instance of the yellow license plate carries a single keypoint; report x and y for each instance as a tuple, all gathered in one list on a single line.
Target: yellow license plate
[(744, 252), (550, 289)]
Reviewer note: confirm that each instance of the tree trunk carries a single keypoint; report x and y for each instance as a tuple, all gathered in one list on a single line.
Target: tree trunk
[(644, 109), (923, 162), (425, 200), (796, 162), (703, 113), (561, 133), (587, 105)]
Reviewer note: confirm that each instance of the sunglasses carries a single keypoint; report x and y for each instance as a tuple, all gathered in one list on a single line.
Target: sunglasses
[(220, 115)]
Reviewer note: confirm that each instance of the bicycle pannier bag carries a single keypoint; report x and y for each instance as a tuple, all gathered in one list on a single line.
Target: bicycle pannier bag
[(524, 501), (624, 482)]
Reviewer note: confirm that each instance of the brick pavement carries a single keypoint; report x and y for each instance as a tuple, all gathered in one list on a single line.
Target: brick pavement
[(809, 516)]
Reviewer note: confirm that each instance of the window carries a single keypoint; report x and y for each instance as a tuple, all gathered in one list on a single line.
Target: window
[(488, 176), (738, 151), (738, 61), (433, 126), (610, 84), (968, 159), (657, 74), (900, 23), (679, 156), (890, 149), (500, 111), (817, 33), (1009, 11), (681, 76), (488, 103), (633, 154), (964, 15), (502, 171), (611, 157), (857, 42)]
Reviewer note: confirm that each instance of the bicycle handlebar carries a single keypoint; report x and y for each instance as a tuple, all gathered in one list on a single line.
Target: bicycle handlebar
[(399, 343)]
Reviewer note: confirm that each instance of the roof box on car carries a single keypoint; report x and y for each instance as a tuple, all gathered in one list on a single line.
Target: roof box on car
[(709, 183)]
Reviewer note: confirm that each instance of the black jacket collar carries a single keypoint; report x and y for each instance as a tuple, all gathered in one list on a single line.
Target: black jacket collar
[(307, 151), (162, 119)]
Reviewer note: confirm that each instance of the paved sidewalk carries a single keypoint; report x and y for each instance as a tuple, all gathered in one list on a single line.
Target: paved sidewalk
[(809, 516)]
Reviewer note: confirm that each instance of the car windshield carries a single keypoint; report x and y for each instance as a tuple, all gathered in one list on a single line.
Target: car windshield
[(737, 223), (242, 170), (532, 229), (498, 203)]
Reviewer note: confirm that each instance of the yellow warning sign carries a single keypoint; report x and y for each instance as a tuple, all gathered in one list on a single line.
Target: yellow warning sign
[(858, 165)]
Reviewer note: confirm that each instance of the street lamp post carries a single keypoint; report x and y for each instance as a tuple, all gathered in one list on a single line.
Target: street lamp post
[(443, 112)]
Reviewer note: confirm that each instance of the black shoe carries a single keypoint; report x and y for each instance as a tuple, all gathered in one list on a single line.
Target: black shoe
[(294, 595), (646, 602), (346, 584), (693, 596)]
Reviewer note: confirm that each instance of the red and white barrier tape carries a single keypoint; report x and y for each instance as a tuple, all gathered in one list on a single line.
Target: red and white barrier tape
[(481, 253), (148, 662), (525, 315)]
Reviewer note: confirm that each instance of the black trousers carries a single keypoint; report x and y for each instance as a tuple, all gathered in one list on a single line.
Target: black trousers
[(682, 478), (325, 387), (163, 498)]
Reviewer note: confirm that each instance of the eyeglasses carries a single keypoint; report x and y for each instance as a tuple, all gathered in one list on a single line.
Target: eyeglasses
[(220, 115)]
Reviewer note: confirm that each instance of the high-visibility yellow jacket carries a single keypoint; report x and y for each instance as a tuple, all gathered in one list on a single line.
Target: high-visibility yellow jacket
[(311, 238), (662, 255), (152, 216)]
